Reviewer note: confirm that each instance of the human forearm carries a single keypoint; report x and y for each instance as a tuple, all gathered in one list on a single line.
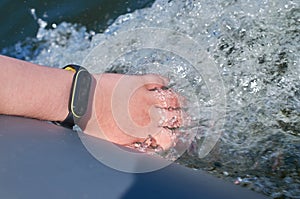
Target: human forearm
[(34, 91)]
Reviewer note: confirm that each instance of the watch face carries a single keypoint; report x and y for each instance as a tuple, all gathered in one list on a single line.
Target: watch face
[(81, 90)]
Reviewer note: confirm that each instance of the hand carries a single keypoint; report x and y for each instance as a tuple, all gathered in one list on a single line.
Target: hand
[(125, 109)]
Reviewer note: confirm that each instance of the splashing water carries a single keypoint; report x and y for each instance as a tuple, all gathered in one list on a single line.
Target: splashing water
[(256, 46), (184, 79)]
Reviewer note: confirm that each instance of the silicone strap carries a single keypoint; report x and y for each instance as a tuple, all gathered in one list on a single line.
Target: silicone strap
[(69, 122)]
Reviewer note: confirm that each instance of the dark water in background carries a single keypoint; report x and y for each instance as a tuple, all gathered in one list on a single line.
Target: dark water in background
[(17, 22)]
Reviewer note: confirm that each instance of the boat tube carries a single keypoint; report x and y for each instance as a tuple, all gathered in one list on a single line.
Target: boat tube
[(41, 160)]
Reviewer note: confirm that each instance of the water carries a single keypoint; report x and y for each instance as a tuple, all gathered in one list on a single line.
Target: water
[(17, 23), (255, 45)]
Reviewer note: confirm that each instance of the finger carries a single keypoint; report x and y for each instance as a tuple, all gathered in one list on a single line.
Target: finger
[(166, 99), (165, 138), (153, 81), (171, 118)]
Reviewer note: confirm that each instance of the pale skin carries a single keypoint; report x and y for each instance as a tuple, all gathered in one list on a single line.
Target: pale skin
[(40, 92)]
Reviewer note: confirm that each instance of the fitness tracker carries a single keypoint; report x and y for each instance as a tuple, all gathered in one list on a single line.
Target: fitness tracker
[(79, 96)]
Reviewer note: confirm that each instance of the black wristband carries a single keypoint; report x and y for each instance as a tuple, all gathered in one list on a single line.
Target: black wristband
[(79, 95)]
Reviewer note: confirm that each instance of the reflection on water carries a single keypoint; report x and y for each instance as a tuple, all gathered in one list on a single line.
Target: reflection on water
[(256, 45)]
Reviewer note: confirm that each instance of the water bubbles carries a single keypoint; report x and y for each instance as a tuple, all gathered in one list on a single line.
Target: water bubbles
[(32, 11), (42, 23)]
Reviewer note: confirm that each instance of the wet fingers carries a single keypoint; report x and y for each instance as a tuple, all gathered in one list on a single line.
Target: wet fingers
[(167, 99), (171, 118)]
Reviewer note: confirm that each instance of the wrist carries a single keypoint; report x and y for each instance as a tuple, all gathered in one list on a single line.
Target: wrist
[(79, 95), (52, 95), (60, 108)]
